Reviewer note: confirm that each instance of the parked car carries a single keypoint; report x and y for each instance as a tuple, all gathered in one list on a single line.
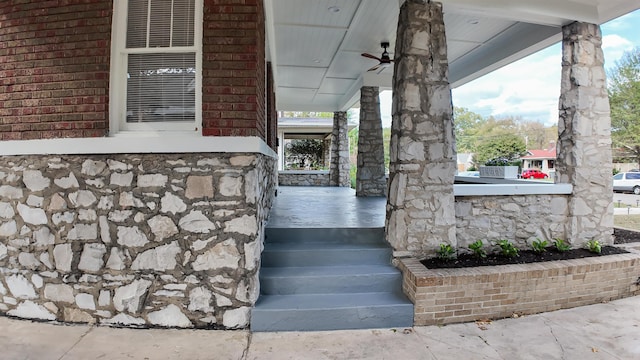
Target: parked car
[(533, 174), (627, 182)]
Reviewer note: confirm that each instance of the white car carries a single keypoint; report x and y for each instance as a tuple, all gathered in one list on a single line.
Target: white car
[(627, 182)]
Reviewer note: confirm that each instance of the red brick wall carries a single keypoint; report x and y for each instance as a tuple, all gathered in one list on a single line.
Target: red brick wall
[(233, 100), (54, 68)]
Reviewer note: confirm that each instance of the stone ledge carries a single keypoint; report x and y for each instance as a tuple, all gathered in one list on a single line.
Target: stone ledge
[(444, 296), (138, 144), (511, 189)]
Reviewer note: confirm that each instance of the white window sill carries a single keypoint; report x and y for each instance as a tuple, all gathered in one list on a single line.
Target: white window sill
[(137, 144)]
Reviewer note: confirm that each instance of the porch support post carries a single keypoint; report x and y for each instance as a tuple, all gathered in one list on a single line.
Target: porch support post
[(584, 136), (339, 169), (420, 205), (370, 177)]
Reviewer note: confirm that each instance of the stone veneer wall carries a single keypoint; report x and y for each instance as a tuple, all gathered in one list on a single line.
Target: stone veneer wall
[(518, 218), (170, 240), (303, 178), (443, 296)]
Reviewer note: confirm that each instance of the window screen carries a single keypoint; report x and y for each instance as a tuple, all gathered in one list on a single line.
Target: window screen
[(160, 81)]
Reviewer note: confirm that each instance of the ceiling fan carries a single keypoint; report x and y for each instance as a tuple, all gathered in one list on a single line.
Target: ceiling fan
[(384, 59)]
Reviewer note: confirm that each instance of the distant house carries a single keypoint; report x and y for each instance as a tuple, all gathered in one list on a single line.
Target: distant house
[(465, 161), (544, 160)]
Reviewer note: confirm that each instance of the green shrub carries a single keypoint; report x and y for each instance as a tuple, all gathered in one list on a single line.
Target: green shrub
[(561, 245), (507, 249), (539, 246), (594, 246), (446, 252), (477, 249)]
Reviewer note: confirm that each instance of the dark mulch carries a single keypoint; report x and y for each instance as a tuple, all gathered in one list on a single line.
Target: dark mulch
[(528, 256), (524, 257), (625, 236)]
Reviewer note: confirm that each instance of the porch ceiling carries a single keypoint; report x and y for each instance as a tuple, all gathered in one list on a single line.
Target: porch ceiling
[(315, 52)]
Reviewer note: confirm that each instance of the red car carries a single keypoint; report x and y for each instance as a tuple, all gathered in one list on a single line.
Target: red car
[(533, 174)]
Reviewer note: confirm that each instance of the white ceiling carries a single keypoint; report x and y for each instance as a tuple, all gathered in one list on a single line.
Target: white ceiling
[(316, 58)]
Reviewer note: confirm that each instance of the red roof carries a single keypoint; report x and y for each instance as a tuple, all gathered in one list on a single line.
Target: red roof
[(540, 154)]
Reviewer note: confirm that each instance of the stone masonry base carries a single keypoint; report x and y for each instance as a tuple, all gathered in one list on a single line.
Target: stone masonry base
[(444, 296)]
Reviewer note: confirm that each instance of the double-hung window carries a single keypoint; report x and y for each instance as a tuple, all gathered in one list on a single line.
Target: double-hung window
[(156, 69)]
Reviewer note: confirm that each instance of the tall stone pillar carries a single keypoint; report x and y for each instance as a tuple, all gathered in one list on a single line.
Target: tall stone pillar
[(584, 136), (339, 169), (420, 204), (326, 152), (370, 177)]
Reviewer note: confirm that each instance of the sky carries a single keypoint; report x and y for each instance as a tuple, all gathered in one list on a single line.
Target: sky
[(513, 91)]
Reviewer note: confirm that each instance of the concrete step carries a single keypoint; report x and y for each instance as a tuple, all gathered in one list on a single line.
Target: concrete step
[(324, 235), (315, 312), (329, 279), (319, 254)]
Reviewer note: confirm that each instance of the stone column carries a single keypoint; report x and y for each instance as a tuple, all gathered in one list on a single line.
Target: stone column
[(339, 169), (326, 152), (584, 136), (420, 205), (370, 178)]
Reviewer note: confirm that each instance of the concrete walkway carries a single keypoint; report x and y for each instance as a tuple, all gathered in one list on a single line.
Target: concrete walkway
[(603, 331)]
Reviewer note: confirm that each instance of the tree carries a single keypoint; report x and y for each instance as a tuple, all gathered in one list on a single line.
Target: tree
[(304, 152), (508, 146), (624, 98), (466, 124)]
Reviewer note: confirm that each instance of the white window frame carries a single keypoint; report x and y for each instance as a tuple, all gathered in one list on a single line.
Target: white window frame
[(118, 78)]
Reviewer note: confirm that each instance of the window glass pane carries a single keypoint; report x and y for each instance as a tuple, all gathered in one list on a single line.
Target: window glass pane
[(161, 87), (633, 176), (137, 24), (160, 24), (617, 176), (183, 13)]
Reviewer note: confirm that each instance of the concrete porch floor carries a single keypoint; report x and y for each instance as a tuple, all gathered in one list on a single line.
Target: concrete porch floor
[(325, 207)]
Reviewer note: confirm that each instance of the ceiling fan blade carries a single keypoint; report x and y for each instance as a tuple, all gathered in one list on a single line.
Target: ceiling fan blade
[(370, 56), (375, 68)]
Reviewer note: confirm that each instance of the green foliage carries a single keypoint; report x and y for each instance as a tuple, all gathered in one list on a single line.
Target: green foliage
[(624, 98), (539, 246), (561, 245), (306, 114), (446, 252), (304, 153), (507, 248), (507, 146), (477, 249), (594, 246), (472, 168), (616, 171), (466, 125)]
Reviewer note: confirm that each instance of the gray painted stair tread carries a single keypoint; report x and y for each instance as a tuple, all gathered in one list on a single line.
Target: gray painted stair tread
[(330, 301), (321, 246), (312, 271)]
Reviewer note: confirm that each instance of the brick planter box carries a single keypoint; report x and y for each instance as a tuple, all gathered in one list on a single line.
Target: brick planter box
[(444, 296)]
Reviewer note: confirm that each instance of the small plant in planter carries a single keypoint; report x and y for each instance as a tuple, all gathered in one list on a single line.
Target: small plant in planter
[(594, 246), (561, 245), (446, 252), (477, 248), (539, 246), (498, 162), (507, 249)]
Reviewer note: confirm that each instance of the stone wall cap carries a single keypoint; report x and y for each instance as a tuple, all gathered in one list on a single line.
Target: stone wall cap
[(137, 144), (511, 189), (303, 172)]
